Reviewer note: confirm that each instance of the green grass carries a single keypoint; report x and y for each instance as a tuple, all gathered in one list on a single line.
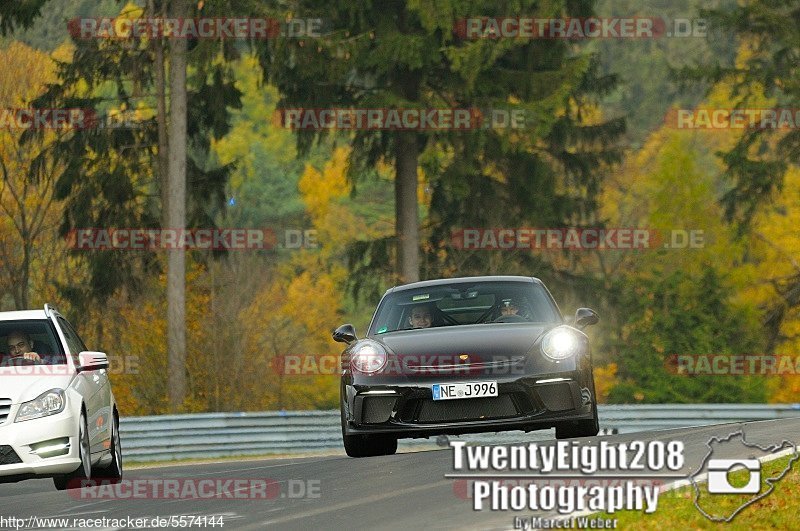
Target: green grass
[(676, 509), (130, 464)]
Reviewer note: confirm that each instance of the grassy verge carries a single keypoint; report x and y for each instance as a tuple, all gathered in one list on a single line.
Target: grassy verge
[(676, 508), (134, 465)]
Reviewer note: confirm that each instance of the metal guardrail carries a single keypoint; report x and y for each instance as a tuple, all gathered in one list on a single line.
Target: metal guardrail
[(211, 435)]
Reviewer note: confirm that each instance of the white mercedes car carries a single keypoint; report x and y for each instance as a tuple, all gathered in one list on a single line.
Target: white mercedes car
[(58, 417)]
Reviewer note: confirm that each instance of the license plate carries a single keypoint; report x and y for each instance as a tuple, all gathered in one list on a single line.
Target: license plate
[(464, 390)]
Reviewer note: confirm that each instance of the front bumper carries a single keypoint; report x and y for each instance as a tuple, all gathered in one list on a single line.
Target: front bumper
[(22, 446), (523, 403)]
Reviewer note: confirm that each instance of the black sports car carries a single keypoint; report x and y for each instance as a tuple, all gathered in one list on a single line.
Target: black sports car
[(465, 355)]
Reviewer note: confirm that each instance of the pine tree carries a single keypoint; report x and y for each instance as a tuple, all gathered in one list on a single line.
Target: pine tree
[(114, 174), (769, 34), (402, 54)]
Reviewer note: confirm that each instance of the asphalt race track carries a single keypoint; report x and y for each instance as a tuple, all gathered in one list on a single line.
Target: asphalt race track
[(404, 491)]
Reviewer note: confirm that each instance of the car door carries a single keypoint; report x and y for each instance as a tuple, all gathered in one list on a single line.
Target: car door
[(95, 388)]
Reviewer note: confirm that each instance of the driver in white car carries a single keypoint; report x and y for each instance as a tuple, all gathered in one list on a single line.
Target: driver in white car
[(20, 346)]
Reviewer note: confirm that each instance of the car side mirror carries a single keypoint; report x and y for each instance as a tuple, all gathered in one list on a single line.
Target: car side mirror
[(92, 361), (345, 334), (585, 317)]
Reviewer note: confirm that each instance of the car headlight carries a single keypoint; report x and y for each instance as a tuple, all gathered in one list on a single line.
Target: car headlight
[(369, 358), (48, 403), (560, 343)]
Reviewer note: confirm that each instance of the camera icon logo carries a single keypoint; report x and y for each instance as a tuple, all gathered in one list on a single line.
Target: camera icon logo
[(718, 470), (722, 496)]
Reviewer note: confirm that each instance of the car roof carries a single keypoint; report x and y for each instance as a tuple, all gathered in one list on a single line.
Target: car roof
[(21, 315), (464, 280)]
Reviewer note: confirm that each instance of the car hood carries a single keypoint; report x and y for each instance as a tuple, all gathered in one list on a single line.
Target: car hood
[(21, 384), (481, 343)]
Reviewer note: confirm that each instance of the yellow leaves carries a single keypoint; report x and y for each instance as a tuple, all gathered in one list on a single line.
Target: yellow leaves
[(143, 337), (325, 195), (131, 11), (775, 257), (24, 74), (674, 182), (749, 49), (423, 193), (605, 378), (592, 114), (495, 173), (776, 238), (312, 301), (228, 351), (294, 316), (671, 187), (252, 131), (321, 189), (30, 215), (786, 391), (63, 52)]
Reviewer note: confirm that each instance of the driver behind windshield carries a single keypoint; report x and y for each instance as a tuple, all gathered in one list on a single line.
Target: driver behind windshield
[(20, 346), (511, 310)]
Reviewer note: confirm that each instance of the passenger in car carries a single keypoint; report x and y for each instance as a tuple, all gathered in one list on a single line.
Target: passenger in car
[(421, 317)]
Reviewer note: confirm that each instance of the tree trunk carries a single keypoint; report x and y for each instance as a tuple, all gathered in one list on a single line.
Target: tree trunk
[(27, 244), (406, 206), (161, 119), (176, 216)]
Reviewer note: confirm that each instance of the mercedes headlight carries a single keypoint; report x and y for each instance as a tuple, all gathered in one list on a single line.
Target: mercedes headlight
[(48, 403), (369, 358), (560, 343)]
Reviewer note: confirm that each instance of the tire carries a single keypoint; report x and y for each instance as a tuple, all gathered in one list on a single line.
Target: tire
[(112, 473), (366, 445), (579, 428), (84, 470)]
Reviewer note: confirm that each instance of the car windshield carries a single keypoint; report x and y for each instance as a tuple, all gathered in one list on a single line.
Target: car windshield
[(18, 338), (465, 304)]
